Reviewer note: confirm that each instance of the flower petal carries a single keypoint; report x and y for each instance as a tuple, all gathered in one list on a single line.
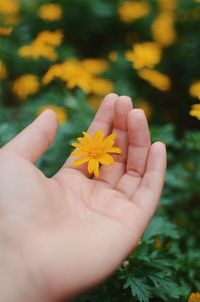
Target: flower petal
[(99, 135), (87, 137), (96, 168), (80, 161), (79, 152), (91, 165), (109, 141), (114, 150), (106, 159), (82, 141)]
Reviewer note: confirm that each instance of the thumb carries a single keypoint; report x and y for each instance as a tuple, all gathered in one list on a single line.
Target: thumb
[(34, 140)]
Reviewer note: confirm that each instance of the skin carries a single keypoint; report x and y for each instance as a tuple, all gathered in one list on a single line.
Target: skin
[(62, 235)]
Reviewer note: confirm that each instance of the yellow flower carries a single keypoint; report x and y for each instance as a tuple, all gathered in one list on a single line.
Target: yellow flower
[(163, 30), (11, 19), (167, 4), (25, 85), (38, 50), (5, 31), (143, 104), (195, 111), (53, 38), (194, 297), (94, 101), (43, 46), (155, 78), (9, 7), (95, 150), (158, 243), (80, 74), (130, 11), (101, 86), (3, 71), (194, 89), (146, 54), (50, 12), (95, 66), (112, 55), (60, 112)]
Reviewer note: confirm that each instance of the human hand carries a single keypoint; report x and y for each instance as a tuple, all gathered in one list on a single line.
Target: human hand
[(64, 234)]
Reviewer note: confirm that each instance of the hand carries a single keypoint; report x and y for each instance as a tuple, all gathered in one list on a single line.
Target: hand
[(67, 233)]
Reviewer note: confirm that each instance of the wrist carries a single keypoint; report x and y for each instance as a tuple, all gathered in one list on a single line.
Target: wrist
[(17, 283)]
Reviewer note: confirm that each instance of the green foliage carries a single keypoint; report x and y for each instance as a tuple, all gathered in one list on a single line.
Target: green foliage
[(166, 263)]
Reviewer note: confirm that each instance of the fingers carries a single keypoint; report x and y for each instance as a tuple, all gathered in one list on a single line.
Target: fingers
[(147, 196), (102, 121), (138, 149), (111, 174), (34, 140)]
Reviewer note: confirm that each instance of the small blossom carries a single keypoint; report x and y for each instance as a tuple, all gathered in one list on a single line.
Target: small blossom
[(194, 297), (155, 78), (113, 55), (145, 105), (5, 31), (3, 71), (50, 12), (167, 5), (95, 151), (194, 89), (163, 30), (82, 74), (130, 11), (195, 111), (43, 46), (25, 85), (146, 54), (60, 112), (9, 7)]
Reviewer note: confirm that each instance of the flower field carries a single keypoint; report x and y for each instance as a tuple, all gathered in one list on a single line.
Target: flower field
[(66, 56)]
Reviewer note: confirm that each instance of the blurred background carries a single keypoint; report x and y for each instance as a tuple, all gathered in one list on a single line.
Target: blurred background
[(67, 55)]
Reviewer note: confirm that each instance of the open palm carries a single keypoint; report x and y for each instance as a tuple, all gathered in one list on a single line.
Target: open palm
[(73, 230)]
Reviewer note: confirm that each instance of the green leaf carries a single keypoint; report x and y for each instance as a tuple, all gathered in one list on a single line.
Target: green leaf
[(160, 226), (139, 288)]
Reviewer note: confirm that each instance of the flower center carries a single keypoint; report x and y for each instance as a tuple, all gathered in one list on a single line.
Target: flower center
[(96, 152)]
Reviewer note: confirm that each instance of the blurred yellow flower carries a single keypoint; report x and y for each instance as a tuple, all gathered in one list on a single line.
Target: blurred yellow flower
[(113, 55), (11, 19), (145, 105), (8, 7), (95, 66), (130, 11), (95, 150), (50, 12), (38, 50), (195, 111), (101, 86), (25, 85), (167, 4), (94, 101), (53, 38), (5, 31), (43, 46), (194, 297), (3, 71), (60, 112), (163, 30), (194, 89), (80, 74), (146, 54), (158, 243), (155, 78)]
